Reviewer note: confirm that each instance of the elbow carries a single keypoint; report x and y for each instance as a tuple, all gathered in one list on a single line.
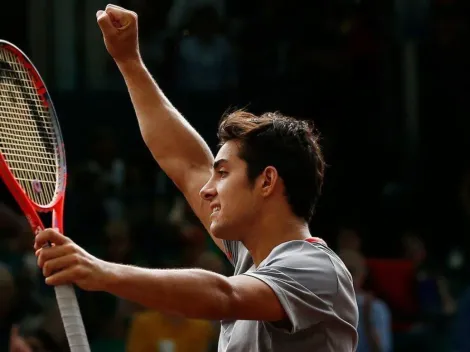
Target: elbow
[(228, 301), (229, 306), (219, 304), (148, 136)]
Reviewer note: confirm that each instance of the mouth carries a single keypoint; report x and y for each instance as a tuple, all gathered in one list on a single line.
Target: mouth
[(215, 210)]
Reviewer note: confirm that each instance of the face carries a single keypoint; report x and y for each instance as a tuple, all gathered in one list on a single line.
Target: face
[(234, 201)]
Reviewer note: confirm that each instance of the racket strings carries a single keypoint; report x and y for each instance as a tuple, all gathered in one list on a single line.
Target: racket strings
[(27, 137)]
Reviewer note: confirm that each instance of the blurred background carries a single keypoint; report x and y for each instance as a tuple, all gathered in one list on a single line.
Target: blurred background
[(386, 83)]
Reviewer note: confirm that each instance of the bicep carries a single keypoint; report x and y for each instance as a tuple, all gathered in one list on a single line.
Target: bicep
[(297, 285), (253, 299)]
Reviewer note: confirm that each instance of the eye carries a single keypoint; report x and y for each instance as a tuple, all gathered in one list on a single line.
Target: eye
[(222, 173)]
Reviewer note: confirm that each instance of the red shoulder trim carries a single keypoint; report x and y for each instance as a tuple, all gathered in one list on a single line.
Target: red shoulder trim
[(316, 240)]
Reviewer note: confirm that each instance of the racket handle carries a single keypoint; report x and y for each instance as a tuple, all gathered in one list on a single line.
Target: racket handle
[(72, 319)]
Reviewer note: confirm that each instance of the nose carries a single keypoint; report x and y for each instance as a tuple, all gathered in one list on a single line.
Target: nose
[(208, 191)]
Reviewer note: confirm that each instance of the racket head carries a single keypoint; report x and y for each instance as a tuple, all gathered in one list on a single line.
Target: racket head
[(32, 155)]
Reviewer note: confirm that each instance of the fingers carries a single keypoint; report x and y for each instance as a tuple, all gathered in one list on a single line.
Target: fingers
[(64, 277), (59, 264), (105, 23), (120, 14), (47, 236), (114, 19), (50, 253)]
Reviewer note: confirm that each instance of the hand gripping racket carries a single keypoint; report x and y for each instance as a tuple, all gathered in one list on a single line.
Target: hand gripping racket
[(32, 163)]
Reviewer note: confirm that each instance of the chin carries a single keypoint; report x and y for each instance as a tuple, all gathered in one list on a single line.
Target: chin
[(222, 232), (217, 232)]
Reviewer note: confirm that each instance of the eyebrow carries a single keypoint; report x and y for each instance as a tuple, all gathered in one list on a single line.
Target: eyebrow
[(219, 162)]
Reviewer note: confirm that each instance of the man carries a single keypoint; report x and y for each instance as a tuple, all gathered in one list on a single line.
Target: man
[(375, 326), (289, 291)]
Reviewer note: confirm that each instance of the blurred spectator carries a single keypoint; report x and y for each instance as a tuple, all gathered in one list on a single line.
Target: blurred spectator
[(107, 314), (7, 304), (182, 10), (41, 341), (106, 322), (107, 171), (18, 343), (434, 296), (461, 327), (118, 246), (436, 303), (154, 331), (201, 72), (375, 331), (348, 239), (174, 333), (205, 59), (199, 250), (210, 261), (17, 255), (160, 242), (16, 242)]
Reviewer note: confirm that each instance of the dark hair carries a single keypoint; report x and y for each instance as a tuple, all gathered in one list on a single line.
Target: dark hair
[(290, 145)]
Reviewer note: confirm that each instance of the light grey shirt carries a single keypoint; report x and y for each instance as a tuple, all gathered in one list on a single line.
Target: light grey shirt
[(316, 292)]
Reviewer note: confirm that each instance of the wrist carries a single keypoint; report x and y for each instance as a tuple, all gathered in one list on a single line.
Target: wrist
[(130, 65), (110, 276)]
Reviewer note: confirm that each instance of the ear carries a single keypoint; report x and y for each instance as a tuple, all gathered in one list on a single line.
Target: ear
[(267, 180)]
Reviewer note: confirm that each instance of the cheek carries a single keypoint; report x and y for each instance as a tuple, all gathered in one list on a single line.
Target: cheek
[(243, 204), (233, 195)]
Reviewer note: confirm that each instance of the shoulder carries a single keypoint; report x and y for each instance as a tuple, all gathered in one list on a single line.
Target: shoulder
[(302, 254), (311, 283), (312, 265)]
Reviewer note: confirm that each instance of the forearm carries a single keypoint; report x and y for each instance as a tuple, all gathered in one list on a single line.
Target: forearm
[(192, 293), (164, 130)]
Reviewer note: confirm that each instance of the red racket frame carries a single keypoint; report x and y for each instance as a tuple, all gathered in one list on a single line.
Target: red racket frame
[(29, 207)]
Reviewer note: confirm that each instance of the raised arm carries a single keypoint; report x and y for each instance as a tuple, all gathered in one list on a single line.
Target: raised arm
[(176, 146)]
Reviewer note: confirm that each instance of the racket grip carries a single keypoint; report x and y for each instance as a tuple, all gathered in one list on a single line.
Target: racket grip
[(72, 318)]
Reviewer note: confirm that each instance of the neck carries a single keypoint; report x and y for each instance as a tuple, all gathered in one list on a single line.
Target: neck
[(273, 231)]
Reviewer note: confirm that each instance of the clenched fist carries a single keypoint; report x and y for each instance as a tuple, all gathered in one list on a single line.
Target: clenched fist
[(120, 33)]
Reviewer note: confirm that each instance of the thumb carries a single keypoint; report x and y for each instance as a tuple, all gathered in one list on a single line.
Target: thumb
[(105, 23)]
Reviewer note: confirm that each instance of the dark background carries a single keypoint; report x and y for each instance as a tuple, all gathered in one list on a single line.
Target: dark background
[(386, 83)]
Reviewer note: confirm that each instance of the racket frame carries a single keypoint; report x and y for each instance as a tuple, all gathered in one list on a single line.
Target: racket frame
[(65, 294), (27, 205)]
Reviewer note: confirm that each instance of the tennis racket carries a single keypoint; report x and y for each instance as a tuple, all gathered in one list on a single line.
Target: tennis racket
[(32, 163)]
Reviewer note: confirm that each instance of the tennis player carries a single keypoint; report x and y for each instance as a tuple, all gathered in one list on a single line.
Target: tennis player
[(290, 292)]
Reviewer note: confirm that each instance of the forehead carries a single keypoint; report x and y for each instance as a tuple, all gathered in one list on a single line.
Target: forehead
[(229, 151)]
